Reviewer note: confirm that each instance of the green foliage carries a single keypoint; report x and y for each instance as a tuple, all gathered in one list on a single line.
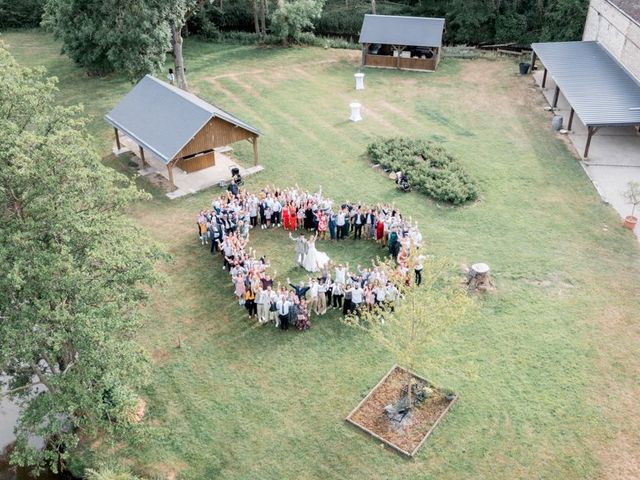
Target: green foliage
[(21, 13), (107, 474), (306, 39), (420, 315), (74, 271), (468, 21), (564, 20), (227, 16), (105, 36), (429, 167), (294, 17)]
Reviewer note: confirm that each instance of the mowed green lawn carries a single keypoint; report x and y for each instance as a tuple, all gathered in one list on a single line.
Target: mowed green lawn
[(547, 368)]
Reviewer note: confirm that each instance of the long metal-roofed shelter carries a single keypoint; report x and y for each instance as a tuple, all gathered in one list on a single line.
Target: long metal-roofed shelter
[(597, 87), (179, 128), (408, 43)]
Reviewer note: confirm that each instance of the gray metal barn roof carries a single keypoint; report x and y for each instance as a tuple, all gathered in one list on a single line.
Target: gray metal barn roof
[(163, 119), (396, 30), (600, 90)]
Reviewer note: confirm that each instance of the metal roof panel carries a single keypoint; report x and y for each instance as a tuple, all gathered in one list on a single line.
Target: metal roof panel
[(600, 90), (400, 30)]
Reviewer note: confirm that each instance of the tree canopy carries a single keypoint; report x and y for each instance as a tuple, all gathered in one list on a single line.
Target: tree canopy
[(74, 272), (295, 16), (104, 36)]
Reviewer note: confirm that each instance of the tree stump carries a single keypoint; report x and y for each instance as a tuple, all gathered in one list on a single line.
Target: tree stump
[(478, 278)]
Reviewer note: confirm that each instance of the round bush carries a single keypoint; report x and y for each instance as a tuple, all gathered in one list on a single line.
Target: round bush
[(429, 167)]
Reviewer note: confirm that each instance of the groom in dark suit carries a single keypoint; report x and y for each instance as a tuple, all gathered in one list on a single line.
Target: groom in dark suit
[(358, 221)]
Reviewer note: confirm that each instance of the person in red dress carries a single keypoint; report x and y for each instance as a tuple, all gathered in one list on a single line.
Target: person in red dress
[(286, 221), (293, 218), (380, 230)]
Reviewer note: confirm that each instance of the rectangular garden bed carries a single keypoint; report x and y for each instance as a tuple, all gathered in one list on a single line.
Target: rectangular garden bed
[(370, 416)]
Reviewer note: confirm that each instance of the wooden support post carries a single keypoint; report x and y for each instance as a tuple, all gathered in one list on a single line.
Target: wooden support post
[(591, 131), (398, 49), (555, 97), (571, 118), (170, 172), (533, 61), (255, 150), (144, 162), (363, 60), (544, 78), (119, 147)]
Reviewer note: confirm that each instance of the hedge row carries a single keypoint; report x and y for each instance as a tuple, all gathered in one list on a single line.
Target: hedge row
[(429, 167)]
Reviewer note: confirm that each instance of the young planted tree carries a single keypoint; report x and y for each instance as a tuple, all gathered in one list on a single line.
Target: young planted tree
[(74, 271), (420, 315)]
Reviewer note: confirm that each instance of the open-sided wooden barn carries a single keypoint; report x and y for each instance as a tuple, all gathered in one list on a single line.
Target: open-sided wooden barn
[(177, 127), (406, 43)]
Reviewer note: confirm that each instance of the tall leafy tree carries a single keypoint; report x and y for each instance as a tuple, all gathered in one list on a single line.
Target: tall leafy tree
[(292, 17), (104, 36), (74, 271), (564, 20)]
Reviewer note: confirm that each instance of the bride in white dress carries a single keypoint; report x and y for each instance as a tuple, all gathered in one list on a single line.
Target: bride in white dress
[(314, 260)]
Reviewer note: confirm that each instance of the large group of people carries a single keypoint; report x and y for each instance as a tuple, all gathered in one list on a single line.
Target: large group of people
[(311, 217)]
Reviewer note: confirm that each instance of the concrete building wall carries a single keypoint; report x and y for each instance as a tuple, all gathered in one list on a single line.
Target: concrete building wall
[(616, 31)]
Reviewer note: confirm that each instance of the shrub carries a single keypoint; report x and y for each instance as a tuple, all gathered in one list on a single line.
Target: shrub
[(429, 167)]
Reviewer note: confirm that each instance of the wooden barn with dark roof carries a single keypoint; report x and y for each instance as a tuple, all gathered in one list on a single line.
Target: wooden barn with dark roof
[(405, 43), (177, 127)]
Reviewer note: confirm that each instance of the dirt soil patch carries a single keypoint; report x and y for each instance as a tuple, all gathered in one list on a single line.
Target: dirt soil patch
[(370, 416)]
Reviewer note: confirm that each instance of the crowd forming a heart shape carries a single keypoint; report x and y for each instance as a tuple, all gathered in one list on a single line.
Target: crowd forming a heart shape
[(313, 217)]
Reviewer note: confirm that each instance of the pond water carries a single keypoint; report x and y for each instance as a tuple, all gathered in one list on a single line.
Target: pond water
[(8, 415)]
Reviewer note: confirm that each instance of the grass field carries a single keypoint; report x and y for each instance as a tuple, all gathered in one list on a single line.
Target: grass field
[(547, 369)]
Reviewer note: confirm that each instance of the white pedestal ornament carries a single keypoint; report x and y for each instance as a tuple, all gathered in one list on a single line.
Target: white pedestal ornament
[(355, 112), (359, 81)]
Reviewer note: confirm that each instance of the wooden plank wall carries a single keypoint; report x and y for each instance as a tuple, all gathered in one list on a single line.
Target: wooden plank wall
[(380, 61), (196, 163), (418, 63), (403, 63), (216, 133)]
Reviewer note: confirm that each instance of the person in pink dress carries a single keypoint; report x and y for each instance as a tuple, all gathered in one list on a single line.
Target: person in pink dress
[(322, 225), (240, 288)]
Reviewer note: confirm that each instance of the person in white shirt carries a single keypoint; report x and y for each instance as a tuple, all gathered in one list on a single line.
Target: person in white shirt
[(283, 304), (263, 304), (381, 293), (341, 272), (357, 295), (314, 290), (391, 295), (321, 304), (418, 269), (337, 293), (277, 212), (340, 221)]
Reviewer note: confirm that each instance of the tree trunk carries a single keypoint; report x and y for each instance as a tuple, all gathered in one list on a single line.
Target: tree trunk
[(263, 16), (256, 20), (178, 59), (373, 6)]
